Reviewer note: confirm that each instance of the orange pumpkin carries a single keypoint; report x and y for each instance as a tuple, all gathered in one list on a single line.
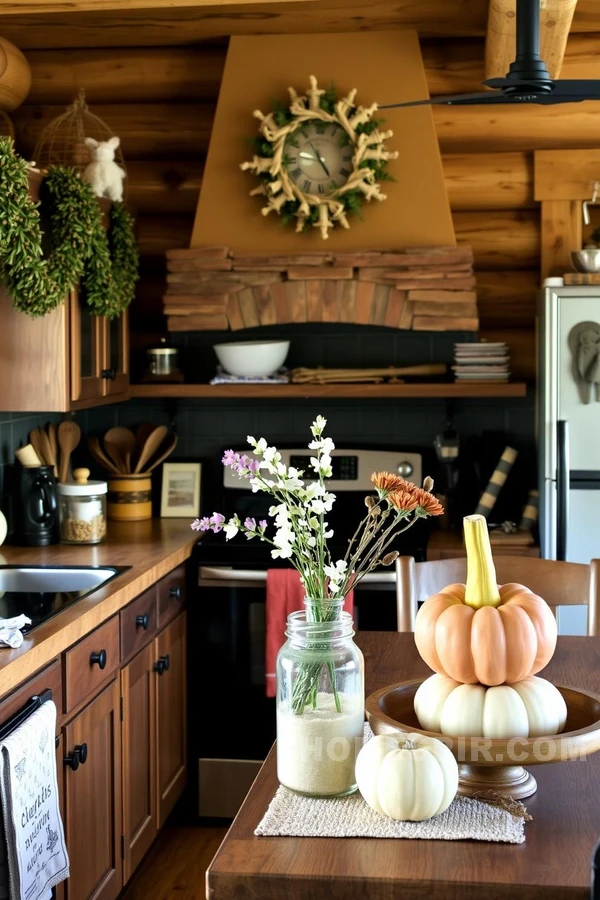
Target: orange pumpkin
[(479, 632)]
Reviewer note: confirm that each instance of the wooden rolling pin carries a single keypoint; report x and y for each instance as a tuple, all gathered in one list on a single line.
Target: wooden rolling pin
[(322, 376), (27, 456), (496, 482)]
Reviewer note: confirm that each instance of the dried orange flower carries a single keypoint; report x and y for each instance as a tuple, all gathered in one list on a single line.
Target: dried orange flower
[(427, 502), (386, 482), (403, 500)]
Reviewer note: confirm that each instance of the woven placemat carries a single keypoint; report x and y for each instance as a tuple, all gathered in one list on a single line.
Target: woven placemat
[(291, 815)]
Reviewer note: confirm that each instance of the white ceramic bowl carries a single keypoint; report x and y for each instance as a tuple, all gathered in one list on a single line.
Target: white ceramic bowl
[(252, 359)]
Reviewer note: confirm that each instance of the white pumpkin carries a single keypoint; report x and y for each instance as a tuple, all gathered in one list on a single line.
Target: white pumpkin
[(528, 708), (407, 777)]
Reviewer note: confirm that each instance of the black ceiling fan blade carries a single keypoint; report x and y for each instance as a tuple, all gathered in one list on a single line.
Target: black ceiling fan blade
[(586, 89), (453, 100)]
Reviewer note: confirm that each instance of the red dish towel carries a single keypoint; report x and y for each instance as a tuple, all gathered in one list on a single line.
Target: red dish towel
[(285, 594)]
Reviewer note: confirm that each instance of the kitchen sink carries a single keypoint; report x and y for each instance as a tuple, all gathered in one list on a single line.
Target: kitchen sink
[(43, 579), (40, 592)]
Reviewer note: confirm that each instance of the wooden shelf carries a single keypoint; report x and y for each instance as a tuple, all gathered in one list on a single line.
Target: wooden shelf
[(339, 391)]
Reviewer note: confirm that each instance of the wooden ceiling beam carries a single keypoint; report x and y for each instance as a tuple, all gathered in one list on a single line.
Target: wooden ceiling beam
[(556, 17)]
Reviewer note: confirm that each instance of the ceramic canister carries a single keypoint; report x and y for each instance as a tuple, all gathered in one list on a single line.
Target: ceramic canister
[(130, 497)]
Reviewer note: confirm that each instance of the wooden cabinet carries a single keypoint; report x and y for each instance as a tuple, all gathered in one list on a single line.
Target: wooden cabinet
[(153, 687), (91, 662), (120, 694), (140, 824), (171, 715), (99, 354), (92, 775), (66, 360)]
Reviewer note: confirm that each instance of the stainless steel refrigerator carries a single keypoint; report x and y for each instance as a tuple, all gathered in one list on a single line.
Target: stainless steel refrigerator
[(569, 431)]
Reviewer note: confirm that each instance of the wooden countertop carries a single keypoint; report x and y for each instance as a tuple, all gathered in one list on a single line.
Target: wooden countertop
[(150, 548), (552, 864)]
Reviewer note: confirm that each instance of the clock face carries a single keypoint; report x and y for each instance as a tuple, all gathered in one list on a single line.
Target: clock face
[(319, 157)]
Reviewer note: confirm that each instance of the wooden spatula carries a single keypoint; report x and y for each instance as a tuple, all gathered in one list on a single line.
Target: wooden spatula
[(101, 457), (69, 435), (35, 439), (53, 446), (121, 444), (153, 442), (166, 451)]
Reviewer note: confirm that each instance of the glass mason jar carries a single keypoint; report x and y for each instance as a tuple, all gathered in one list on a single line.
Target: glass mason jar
[(320, 701)]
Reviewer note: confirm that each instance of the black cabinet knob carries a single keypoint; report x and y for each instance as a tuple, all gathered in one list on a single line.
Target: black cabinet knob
[(159, 666), (109, 374), (82, 750), (142, 621), (98, 659), (175, 592), (166, 662), (72, 760)]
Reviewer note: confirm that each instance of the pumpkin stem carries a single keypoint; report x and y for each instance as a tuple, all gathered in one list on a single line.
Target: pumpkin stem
[(481, 588)]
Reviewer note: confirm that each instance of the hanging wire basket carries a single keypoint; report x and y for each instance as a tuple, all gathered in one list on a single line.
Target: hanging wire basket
[(62, 142)]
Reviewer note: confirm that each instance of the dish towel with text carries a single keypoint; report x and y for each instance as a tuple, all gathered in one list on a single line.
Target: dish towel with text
[(285, 594), (33, 855)]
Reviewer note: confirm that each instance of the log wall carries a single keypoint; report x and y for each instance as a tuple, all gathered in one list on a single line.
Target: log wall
[(161, 101)]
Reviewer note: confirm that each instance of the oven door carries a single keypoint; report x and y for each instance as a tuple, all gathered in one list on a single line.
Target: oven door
[(231, 654)]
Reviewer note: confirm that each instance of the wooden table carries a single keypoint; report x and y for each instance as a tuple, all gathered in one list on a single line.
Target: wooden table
[(553, 863)]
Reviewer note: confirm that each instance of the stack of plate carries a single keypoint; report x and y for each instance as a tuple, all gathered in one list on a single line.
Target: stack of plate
[(481, 362)]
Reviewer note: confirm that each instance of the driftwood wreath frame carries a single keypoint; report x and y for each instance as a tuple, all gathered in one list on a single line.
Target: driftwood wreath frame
[(362, 134)]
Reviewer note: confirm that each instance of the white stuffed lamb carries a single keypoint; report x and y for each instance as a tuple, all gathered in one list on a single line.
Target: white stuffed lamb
[(103, 174)]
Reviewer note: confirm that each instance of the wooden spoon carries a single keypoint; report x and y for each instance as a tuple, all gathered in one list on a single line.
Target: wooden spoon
[(100, 456), (151, 447), (124, 439), (46, 448), (69, 435), (142, 433), (53, 446), (35, 439), (118, 442), (168, 449), (113, 451)]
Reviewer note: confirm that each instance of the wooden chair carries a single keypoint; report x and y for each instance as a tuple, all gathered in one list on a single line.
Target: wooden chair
[(559, 583)]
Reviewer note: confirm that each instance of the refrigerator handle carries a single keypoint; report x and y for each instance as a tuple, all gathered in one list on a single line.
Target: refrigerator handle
[(562, 487)]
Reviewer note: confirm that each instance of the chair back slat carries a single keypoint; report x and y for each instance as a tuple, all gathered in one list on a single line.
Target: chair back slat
[(559, 583)]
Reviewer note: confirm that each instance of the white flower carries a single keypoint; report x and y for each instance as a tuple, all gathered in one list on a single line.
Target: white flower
[(259, 446), (318, 425), (336, 571), (231, 529), (289, 484), (283, 552), (324, 505)]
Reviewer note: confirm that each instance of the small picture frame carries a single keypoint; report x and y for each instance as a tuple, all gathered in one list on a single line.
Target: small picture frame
[(180, 495)]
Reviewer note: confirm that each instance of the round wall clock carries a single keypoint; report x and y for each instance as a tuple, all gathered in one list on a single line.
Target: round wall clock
[(319, 159)]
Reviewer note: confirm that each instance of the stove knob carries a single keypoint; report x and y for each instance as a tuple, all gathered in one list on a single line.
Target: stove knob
[(404, 468)]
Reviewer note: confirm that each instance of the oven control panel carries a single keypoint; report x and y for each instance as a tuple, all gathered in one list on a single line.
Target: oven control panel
[(351, 469)]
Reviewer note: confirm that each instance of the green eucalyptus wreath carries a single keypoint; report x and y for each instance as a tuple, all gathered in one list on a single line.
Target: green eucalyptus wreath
[(79, 249)]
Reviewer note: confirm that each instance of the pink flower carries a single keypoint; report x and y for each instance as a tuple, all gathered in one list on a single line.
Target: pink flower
[(250, 524), (263, 524), (216, 522)]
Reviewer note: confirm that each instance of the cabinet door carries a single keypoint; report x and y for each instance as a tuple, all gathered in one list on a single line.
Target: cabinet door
[(59, 890), (87, 350), (138, 689), (171, 709), (93, 799), (116, 354)]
